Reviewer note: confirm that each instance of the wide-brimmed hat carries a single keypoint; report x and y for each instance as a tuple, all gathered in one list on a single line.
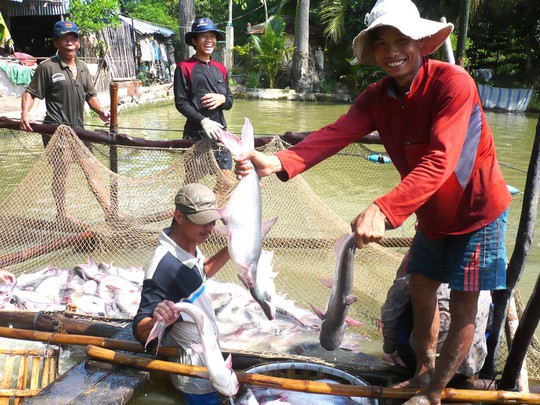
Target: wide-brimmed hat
[(201, 25), (198, 203), (62, 28), (403, 15)]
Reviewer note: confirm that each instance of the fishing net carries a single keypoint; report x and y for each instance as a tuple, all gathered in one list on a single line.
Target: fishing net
[(63, 204)]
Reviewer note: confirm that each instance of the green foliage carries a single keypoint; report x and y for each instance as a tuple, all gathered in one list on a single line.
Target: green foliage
[(253, 80), (327, 86), (270, 50), (92, 16), (160, 12)]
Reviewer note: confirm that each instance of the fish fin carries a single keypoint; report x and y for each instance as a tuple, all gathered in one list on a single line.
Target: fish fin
[(350, 299), (224, 212), (339, 243), (197, 348), (326, 282), (248, 139), (353, 322), (317, 311), (222, 230), (232, 143), (157, 332), (228, 362), (265, 228)]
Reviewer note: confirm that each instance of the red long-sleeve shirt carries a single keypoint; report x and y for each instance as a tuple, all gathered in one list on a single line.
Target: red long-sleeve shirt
[(438, 139)]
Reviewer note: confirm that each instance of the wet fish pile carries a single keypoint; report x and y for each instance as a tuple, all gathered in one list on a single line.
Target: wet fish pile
[(243, 326), (90, 288)]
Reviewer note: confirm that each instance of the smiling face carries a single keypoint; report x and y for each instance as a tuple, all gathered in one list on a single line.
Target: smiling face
[(204, 45), (397, 54)]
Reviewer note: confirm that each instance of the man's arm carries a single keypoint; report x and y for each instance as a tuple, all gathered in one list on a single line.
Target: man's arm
[(27, 103), (164, 311), (95, 105), (213, 264)]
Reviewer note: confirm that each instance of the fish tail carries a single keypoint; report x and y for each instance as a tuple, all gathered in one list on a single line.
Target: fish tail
[(248, 138)]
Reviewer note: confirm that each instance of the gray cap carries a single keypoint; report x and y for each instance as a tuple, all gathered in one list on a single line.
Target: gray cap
[(198, 203)]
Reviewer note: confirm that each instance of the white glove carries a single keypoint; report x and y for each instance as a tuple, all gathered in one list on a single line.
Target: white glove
[(212, 129)]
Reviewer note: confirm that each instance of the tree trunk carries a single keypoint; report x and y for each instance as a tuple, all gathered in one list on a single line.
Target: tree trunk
[(186, 15), (300, 67), (463, 27)]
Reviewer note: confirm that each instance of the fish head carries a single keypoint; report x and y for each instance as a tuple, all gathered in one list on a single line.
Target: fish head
[(331, 337), (244, 278), (226, 382)]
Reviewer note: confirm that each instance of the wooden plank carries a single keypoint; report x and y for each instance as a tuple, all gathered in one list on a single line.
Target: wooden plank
[(7, 371), (93, 382)]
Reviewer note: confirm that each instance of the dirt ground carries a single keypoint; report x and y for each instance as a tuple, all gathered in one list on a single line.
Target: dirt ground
[(10, 104)]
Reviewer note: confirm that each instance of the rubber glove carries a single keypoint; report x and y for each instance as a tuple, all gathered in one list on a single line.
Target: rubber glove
[(212, 129)]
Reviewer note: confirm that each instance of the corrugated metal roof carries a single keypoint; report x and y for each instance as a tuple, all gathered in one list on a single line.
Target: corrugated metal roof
[(143, 27), (26, 8)]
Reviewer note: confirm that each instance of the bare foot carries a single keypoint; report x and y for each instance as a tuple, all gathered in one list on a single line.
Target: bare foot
[(418, 381), (69, 220)]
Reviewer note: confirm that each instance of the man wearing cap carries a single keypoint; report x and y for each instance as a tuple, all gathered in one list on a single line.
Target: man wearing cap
[(177, 272), (201, 90), (66, 84), (429, 117)]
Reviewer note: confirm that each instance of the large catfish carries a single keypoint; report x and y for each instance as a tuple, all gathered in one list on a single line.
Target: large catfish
[(243, 213), (220, 371), (335, 318)]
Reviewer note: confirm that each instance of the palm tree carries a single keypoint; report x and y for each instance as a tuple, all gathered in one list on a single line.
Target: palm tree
[(301, 45)]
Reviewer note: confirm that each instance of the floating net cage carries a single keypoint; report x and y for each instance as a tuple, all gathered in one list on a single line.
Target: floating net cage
[(62, 204)]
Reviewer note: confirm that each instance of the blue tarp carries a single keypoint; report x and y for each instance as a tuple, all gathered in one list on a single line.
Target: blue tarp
[(503, 98)]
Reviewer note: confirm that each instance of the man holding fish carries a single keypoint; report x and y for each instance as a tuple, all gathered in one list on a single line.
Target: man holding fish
[(429, 117), (177, 272)]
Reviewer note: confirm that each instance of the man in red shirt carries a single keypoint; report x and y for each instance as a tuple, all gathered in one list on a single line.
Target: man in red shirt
[(430, 119)]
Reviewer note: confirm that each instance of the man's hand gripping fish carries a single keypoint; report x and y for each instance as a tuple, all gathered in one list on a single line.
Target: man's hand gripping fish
[(220, 371)]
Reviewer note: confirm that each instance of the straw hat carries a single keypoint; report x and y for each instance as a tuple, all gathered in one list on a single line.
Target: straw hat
[(403, 15)]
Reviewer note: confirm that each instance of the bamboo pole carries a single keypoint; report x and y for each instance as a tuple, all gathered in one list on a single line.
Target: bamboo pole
[(448, 394), (52, 322), (516, 266), (128, 140), (82, 340), (113, 150)]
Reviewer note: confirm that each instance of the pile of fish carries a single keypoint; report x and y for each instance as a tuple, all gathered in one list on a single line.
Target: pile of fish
[(90, 288), (243, 326)]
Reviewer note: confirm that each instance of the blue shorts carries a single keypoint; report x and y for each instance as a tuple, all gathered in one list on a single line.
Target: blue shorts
[(472, 262), (212, 398)]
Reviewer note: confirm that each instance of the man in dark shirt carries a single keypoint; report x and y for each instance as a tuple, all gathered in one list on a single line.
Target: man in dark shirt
[(66, 84), (201, 90), (177, 272)]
